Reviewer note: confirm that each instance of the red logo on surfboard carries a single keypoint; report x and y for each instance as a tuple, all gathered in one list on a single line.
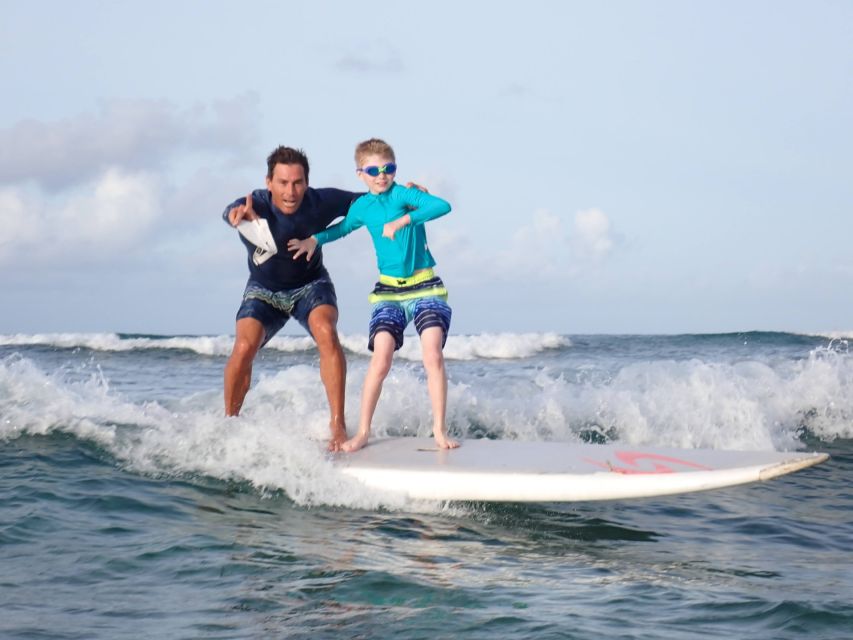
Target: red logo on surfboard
[(638, 462)]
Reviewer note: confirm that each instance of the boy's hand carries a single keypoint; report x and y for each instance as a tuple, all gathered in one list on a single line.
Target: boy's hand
[(394, 226), (242, 211), (414, 185), (306, 246)]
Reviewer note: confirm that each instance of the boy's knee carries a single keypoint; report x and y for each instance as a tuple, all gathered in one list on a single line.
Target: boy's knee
[(433, 359), (381, 367)]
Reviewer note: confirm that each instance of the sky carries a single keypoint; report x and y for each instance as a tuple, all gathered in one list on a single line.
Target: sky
[(613, 167)]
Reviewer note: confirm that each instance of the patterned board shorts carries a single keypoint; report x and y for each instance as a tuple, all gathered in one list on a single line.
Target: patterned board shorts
[(421, 298), (274, 308)]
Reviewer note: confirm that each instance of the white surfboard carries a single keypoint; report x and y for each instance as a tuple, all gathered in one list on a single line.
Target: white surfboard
[(514, 471)]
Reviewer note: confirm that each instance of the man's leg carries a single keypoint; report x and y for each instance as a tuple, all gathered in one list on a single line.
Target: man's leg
[(322, 321), (238, 371)]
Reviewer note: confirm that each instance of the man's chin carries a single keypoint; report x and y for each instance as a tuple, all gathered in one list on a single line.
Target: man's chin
[(288, 207)]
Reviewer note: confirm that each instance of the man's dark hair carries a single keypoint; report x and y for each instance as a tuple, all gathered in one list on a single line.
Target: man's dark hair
[(287, 155)]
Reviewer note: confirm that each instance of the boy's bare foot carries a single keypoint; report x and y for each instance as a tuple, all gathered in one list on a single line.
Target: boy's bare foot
[(355, 443), (339, 437), (444, 441)]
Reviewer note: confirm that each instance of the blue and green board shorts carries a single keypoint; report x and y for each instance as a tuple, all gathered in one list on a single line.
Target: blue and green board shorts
[(421, 298)]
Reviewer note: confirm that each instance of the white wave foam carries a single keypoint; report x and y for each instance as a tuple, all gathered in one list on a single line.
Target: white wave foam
[(203, 345), (502, 345), (688, 404), (278, 441), (831, 335), (489, 346)]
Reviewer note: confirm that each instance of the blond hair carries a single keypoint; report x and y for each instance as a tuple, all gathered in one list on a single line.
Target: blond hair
[(373, 147)]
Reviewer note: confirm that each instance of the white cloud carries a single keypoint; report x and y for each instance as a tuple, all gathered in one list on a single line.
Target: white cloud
[(535, 249), (592, 236), (556, 245), (129, 134), (122, 207), (91, 188), (15, 229), (116, 213), (545, 230), (373, 57), (515, 90)]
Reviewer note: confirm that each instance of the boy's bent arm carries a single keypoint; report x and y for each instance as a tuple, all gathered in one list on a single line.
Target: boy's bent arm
[(425, 206), (390, 229)]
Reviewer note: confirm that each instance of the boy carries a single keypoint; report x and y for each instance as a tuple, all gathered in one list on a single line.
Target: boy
[(407, 289)]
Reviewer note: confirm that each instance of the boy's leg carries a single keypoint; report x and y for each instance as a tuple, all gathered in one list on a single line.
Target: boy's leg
[(432, 320), (387, 324), (432, 340), (380, 364)]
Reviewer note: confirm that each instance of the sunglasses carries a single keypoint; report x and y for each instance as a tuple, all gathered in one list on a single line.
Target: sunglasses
[(374, 171)]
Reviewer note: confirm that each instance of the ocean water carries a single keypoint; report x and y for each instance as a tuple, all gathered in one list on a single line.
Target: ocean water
[(131, 508)]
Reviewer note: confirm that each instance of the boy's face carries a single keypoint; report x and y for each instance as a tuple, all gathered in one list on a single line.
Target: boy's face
[(386, 167)]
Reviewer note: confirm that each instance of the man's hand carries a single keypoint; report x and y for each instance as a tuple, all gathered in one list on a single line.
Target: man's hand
[(241, 212), (307, 246), (411, 185)]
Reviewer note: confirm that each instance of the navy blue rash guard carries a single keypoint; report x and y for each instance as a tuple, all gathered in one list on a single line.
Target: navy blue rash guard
[(317, 211)]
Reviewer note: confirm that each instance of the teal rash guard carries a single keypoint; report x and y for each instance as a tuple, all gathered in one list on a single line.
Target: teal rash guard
[(408, 251)]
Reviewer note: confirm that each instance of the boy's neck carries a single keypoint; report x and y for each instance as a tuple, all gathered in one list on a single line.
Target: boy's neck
[(379, 193)]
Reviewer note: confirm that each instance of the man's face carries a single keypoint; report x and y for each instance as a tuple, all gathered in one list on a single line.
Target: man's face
[(287, 186)]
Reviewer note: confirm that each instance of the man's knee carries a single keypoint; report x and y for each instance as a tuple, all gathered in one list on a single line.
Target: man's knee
[(250, 336), (323, 322), (244, 350)]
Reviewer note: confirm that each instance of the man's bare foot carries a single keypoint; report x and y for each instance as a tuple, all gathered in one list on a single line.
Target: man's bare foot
[(355, 443), (339, 437), (444, 441)]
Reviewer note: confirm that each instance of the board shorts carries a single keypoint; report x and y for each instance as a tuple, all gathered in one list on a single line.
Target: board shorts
[(274, 308), (421, 298)]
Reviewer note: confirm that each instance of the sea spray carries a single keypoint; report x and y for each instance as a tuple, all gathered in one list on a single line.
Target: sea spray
[(274, 446), (157, 410)]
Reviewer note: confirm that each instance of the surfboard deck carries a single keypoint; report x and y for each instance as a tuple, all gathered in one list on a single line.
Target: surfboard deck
[(517, 471)]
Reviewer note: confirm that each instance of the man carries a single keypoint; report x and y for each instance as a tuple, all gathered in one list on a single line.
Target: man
[(280, 288)]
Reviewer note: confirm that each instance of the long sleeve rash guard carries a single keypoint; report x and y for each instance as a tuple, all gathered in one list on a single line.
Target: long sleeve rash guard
[(408, 251), (318, 209)]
